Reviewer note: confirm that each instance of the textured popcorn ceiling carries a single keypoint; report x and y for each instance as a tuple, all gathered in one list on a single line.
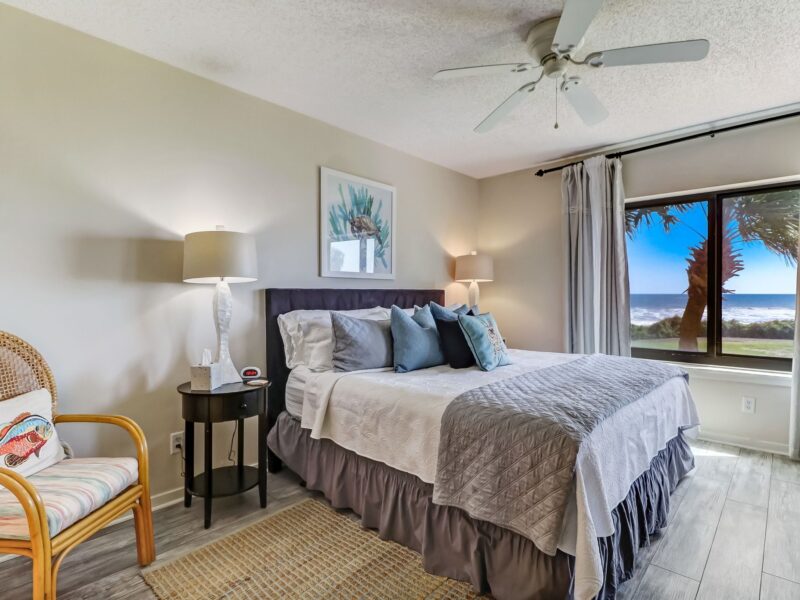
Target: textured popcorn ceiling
[(366, 65)]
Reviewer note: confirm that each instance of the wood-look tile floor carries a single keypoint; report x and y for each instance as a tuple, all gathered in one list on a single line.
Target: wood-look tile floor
[(734, 533)]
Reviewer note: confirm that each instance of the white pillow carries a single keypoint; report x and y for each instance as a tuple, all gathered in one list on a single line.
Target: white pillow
[(28, 439), (308, 335)]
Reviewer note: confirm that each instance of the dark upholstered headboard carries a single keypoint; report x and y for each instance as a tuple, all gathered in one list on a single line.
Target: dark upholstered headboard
[(279, 301)]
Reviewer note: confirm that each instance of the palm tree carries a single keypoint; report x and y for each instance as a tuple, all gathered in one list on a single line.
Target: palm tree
[(771, 218)]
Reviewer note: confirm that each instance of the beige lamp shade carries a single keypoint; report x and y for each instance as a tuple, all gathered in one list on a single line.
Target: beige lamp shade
[(214, 256), (474, 267)]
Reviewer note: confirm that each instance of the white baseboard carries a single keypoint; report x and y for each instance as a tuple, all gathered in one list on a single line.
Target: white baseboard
[(744, 442)]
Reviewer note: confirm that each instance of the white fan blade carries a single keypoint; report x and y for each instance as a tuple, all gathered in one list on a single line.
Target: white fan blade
[(510, 103), (584, 101), (654, 53), (575, 20), (483, 70)]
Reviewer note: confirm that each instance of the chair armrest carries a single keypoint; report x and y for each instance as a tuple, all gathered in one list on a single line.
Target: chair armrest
[(129, 425), (31, 503)]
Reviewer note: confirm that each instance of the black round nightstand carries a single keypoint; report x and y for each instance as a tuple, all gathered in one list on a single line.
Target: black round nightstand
[(230, 402)]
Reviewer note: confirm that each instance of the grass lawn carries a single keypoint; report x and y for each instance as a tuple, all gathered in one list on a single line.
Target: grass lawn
[(744, 346)]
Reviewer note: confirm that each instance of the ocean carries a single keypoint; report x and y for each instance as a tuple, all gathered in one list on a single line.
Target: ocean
[(745, 308)]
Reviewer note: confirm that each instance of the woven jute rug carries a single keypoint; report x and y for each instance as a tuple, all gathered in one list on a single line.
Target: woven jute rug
[(306, 551)]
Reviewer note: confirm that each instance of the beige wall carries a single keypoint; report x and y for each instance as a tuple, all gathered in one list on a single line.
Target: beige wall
[(521, 225), (108, 158), (751, 154), (521, 220)]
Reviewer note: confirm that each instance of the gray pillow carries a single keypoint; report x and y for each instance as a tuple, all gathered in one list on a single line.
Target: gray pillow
[(360, 343)]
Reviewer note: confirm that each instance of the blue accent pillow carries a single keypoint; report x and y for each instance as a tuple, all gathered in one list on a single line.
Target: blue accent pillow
[(416, 340), (441, 313), (485, 341)]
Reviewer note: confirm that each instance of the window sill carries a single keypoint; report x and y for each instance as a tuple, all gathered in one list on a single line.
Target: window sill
[(737, 375)]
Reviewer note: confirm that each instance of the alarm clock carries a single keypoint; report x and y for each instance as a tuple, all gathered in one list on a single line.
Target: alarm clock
[(250, 373)]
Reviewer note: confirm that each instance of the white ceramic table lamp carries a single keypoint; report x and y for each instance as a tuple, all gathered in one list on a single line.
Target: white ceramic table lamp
[(474, 268), (221, 257)]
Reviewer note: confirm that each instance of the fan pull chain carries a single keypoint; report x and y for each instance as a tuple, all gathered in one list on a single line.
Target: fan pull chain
[(556, 125)]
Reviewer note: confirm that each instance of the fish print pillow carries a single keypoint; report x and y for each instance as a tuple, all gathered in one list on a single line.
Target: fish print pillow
[(28, 438)]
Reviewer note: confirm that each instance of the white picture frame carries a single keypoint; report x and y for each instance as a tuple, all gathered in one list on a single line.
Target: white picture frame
[(358, 226)]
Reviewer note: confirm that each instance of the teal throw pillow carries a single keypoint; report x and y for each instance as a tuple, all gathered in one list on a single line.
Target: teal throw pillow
[(485, 340), (415, 339)]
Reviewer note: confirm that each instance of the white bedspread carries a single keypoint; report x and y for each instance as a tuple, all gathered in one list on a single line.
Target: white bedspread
[(394, 418)]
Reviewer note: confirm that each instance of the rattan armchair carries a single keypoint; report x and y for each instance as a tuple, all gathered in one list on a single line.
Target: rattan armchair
[(22, 369)]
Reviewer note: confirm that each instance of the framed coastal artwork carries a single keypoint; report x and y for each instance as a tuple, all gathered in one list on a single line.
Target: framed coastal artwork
[(357, 226)]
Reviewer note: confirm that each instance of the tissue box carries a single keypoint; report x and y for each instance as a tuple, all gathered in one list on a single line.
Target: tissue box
[(206, 377)]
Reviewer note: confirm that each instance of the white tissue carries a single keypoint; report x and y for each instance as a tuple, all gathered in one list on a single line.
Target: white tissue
[(205, 360)]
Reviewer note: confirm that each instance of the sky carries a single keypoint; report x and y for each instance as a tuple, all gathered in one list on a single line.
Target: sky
[(657, 260)]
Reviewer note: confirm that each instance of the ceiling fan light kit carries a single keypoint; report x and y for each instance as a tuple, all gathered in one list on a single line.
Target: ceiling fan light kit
[(552, 44), (540, 46)]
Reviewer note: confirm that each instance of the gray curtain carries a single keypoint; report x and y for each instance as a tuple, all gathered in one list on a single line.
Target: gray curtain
[(794, 410), (598, 299)]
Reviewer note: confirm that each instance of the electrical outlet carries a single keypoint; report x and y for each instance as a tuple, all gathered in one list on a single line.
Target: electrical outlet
[(748, 404), (175, 442)]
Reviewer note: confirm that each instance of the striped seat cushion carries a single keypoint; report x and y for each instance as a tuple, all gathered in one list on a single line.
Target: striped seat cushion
[(70, 490)]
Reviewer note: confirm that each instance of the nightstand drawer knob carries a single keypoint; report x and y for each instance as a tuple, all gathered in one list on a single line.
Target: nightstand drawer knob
[(244, 405)]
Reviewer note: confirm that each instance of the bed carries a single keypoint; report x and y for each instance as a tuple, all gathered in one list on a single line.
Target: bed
[(372, 441)]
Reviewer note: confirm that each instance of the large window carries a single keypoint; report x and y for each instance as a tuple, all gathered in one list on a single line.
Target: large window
[(713, 276)]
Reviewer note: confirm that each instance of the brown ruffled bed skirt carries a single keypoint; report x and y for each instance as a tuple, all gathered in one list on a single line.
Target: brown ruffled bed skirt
[(399, 506)]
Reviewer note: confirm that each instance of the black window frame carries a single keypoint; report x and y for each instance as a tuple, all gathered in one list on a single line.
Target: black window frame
[(714, 354)]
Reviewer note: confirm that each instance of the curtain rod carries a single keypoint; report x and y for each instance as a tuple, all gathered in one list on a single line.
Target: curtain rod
[(686, 138)]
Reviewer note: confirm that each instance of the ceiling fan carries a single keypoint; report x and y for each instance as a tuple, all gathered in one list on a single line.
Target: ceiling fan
[(553, 43)]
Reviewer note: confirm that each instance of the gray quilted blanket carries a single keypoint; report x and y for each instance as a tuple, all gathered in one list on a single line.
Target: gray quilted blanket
[(508, 449)]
